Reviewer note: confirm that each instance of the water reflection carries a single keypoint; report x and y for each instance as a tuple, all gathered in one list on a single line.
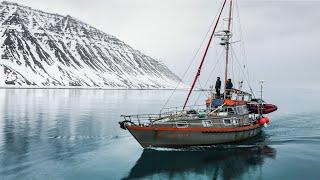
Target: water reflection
[(38, 126), (213, 163), (74, 134), (49, 127)]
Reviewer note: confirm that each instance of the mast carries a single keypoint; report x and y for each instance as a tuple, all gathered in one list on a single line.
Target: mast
[(228, 36), (204, 56)]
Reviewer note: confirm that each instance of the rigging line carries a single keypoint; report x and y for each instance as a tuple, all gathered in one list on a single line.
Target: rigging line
[(204, 56), (199, 80), (242, 41), (239, 63), (191, 62), (244, 75), (237, 72), (201, 88), (232, 66), (233, 29), (213, 69), (216, 53)]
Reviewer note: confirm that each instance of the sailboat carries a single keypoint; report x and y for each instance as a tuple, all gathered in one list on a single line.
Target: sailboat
[(233, 116)]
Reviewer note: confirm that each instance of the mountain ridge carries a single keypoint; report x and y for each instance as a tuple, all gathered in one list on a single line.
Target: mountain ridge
[(50, 50)]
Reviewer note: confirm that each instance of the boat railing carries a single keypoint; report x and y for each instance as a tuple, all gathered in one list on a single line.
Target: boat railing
[(180, 109), (164, 114), (143, 118), (172, 113), (151, 119), (236, 94), (212, 123)]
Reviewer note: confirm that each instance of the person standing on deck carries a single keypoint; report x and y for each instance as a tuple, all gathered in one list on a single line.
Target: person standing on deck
[(218, 87), (229, 84)]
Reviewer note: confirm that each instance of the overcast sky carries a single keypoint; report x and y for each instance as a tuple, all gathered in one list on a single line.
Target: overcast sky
[(281, 38)]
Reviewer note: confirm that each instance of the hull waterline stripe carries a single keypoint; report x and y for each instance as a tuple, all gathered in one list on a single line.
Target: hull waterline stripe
[(206, 130)]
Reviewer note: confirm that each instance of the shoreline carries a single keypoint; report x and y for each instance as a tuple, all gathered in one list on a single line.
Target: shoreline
[(98, 88)]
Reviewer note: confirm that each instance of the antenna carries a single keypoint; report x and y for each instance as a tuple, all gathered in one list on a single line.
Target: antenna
[(261, 101), (261, 88)]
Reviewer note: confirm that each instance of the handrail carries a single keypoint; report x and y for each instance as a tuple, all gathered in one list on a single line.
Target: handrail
[(238, 91), (144, 117), (179, 109), (163, 114), (174, 122)]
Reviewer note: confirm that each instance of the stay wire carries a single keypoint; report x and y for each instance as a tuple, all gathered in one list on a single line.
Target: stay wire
[(244, 54), (191, 62), (244, 74), (245, 57), (212, 71)]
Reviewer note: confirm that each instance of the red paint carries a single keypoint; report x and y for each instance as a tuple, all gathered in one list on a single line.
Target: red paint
[(267, 108), (264, 120)]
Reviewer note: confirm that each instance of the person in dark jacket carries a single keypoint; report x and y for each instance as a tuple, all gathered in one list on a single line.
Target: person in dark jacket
[(218, 86), (229, 84)]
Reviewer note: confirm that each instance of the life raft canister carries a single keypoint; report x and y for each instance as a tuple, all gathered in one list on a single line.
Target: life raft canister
[(264, 120), (229, 102)]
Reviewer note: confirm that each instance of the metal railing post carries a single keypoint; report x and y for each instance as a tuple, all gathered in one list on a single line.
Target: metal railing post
[(138, 120)]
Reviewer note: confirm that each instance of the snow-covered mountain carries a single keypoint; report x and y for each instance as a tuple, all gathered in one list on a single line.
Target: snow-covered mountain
[(40, 49)]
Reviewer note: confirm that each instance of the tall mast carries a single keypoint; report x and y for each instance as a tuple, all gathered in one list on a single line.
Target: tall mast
[(204, 56), (228, 36)]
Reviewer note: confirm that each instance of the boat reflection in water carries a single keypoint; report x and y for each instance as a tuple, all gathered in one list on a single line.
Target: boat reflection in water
[(219, 162)]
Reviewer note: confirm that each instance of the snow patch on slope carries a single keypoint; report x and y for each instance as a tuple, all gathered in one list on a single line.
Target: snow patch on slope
[(40, 49)]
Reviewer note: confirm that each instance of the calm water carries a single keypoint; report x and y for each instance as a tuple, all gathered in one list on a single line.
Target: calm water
[(73, 134)]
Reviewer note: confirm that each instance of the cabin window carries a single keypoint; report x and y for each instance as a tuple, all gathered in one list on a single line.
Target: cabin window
[(182, 124), (227, 122), (241, 110), (240, 97), (234, 96), (245, 110), (207, 123), (246, 98), (231, 110), (235, 121)]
